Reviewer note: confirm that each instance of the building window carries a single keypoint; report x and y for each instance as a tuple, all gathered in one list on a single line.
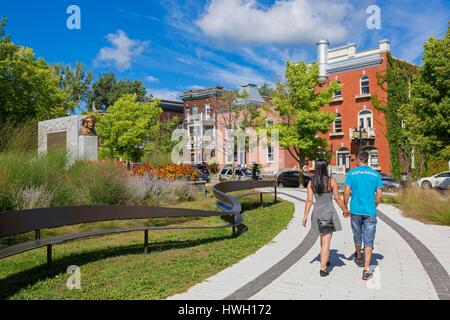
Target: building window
[(373, 156), (207, 111), (269, 123), (194, 110), (365, 85), (270, 153), (365, 119), (338, 93), (337, 126)]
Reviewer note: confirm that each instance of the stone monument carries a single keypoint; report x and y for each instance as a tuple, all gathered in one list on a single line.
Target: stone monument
[(76, 134)]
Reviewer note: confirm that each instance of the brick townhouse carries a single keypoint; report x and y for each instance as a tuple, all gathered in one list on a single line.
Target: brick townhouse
[(358, 126)]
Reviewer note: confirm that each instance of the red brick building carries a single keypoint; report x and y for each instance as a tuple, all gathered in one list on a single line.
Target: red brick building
[(358, 125)]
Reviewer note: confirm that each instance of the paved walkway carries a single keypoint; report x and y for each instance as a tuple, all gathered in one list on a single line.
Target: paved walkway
[(411, 261)]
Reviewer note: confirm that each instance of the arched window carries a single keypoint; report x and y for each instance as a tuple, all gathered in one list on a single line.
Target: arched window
[(365, 119), (365, 85), (337, 125), (338, 93)]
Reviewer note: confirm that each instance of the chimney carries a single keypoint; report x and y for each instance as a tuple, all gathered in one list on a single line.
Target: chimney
[(385, 45), (322, 59)]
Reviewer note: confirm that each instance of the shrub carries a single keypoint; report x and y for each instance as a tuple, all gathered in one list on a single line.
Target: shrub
[(102, 184), (34, 197), (425, 205), (150, 190)]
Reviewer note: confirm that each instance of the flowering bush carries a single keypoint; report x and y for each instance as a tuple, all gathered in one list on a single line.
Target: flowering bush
[(167, 172), (151, 190)]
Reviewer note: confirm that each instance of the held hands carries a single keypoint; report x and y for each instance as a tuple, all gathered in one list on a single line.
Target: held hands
[(346, 213)]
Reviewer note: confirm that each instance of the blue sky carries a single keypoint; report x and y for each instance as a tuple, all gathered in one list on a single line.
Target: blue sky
[(173, 46)]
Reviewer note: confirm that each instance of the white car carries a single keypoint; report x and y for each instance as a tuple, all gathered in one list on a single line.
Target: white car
[(440, 180)]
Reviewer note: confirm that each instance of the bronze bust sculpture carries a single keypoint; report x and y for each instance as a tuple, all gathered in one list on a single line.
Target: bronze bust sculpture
[(88, 128)]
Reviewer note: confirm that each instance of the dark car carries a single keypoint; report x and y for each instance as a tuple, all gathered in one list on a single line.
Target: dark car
[(291, 178), (390, 183), (203, 172)]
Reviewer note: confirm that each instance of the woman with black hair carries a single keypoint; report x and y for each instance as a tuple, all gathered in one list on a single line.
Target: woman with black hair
[(324, 219)]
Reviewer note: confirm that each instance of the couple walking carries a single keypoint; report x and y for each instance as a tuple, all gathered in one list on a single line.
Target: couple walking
[(365, 186)]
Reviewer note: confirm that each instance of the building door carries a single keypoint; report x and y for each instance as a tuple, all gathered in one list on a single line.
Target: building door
[(343, 158)]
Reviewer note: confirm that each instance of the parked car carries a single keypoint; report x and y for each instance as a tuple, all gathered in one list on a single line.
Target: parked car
[(203, 172), (291, 178), (390, 183), (241, 174), (440, 181)]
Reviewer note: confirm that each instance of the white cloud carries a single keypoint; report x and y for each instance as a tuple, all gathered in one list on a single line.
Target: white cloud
[(122, 52), (151, 79), (164, 93), (235, 75), (184, 60), (285, 22), (195, 87)]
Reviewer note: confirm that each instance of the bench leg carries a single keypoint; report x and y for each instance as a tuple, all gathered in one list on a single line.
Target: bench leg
[(145, 241), (234, 232), (275, 195), (37, 235), (49, 255), (261, 198)]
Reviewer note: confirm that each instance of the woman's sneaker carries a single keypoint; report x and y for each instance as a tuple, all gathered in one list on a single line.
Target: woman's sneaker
[(324, 273), (367, 275)]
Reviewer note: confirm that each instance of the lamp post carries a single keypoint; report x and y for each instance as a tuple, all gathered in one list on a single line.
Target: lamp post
[(362, 136)]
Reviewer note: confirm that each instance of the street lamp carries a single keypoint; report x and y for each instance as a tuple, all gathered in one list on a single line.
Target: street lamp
[(361, 136)]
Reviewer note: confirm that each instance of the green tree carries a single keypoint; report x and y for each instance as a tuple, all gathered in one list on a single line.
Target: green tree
[(266, 90), (127, 127), (29, 87), (427, 115), (107, 90), (298, 101), (75, 82)]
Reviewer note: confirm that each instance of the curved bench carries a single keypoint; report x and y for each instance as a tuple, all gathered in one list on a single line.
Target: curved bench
[(34, 220)]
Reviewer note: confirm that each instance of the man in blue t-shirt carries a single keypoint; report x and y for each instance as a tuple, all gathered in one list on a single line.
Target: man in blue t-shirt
[(366, 187)]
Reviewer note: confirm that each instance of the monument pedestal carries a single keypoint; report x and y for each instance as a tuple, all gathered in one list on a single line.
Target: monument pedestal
[(88, 148)]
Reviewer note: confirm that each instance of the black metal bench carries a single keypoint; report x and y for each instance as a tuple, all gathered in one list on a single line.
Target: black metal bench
[(35, 220)]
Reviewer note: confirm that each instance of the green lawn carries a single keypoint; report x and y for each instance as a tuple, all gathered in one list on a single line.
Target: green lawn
[(114, 267)]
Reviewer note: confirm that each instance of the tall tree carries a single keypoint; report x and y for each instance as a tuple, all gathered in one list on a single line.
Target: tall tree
[(107, 90), (75, 82), (298, 101), (427, 116), (29, 87), (127, 127), (266, 90)]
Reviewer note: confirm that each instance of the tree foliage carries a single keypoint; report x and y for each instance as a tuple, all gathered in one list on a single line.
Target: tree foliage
[(298, 102), (106, 90), (29, 87), (75, 82), (396, 81), (266, 90), (427, 115), (127, 127)]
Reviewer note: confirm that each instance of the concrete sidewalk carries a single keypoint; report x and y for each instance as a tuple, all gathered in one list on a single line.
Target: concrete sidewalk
[(288, 267)]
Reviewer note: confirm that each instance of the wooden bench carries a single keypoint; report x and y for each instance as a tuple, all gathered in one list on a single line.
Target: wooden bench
[(34, 220)]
